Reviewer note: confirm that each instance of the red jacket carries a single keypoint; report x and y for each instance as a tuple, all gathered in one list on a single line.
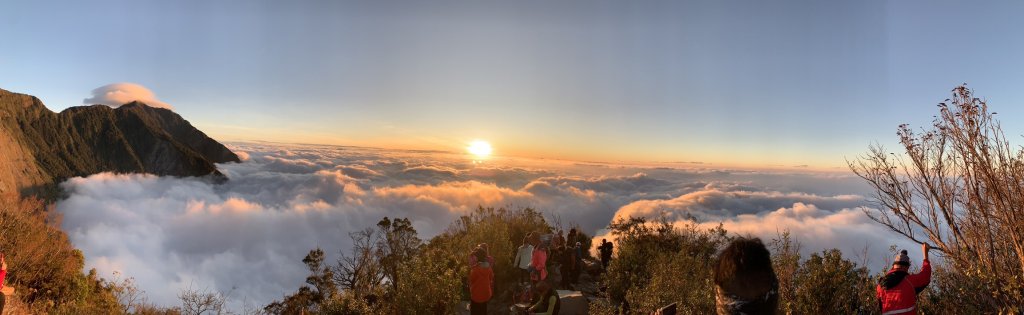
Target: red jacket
[(480, 280), (900, 297), (3, 274), (539, 263)]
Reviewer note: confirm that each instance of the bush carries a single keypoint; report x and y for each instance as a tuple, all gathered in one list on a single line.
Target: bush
[(658, 264), (45, 267), (828, 283), (390, 271)]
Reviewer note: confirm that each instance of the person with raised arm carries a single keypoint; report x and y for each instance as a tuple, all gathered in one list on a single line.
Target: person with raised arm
[(897, 290)]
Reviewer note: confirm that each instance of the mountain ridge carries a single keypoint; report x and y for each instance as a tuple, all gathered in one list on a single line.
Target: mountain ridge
[(39, 148)]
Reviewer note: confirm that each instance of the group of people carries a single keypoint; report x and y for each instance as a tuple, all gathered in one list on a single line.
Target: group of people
[(532, 261), (745, 282)]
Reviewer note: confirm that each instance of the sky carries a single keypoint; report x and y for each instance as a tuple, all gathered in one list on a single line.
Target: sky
[(697, 111), (728, 82)]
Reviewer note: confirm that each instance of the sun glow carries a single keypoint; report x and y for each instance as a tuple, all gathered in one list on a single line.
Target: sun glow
[(479, 148)]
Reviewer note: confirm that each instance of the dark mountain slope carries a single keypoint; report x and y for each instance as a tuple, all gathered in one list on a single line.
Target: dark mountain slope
[(39, 147)]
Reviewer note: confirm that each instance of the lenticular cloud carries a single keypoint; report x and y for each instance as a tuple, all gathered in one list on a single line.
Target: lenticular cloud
[(248, 236), (117, 94)]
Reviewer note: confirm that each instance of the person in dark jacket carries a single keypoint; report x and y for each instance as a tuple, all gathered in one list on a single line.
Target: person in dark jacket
[(568, 267), (745, 282), (897, 290), (605, 249)]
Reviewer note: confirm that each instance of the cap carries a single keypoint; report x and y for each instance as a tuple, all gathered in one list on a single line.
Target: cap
[(901, 259)]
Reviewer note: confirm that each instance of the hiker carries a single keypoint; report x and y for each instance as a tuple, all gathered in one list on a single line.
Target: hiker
[(481, 282), (578, 256), (898, 289), (3, 275), (606, 252), (571, 238), (481, 246), (539, 261), (558, 240), (745, 282), (568, 267), (548, 302), (524, 256), (557, 249)]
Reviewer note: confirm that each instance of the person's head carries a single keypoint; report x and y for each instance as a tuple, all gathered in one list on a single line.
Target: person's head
[(901, 261), (543, 287), (604, 241), (480, 254), (526, 240), (744, 279), (560, 233)]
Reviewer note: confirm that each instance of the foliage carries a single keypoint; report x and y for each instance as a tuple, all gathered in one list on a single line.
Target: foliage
[(390, 271), (45, 267), (828, 283), (307, 298), (786, 263), (658, 264), (959, 187)]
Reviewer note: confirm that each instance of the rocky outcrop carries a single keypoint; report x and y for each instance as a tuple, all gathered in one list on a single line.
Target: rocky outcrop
[(39, 147)]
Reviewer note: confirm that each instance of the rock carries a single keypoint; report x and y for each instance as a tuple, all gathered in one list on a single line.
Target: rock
[(573, 303)]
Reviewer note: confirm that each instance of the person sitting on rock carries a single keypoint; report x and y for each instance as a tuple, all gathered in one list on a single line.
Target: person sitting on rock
[(547, 302)]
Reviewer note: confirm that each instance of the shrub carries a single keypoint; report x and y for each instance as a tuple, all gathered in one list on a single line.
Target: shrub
[(45, 267), (658, 264)]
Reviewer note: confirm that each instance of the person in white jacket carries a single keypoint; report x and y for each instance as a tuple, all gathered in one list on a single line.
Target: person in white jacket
[(523, 258)]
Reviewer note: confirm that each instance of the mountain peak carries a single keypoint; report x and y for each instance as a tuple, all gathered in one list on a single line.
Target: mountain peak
[(39, 147)]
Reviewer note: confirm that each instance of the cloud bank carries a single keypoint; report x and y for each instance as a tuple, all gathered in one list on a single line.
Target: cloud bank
[(117, 94), (247, 236)]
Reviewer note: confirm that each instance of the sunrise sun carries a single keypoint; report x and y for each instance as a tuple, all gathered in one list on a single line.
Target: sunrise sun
[(479, 149)]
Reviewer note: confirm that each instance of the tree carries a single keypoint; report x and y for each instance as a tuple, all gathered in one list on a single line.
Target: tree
[(360, 272), (960, 186), (308, 299), (398, 244), (200, 302)]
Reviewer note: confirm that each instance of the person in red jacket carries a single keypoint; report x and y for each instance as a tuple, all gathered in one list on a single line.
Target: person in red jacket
[(481, 282), (3, 275), (898, 289)]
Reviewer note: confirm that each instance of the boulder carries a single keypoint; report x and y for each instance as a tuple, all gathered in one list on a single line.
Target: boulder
[(573, 303)]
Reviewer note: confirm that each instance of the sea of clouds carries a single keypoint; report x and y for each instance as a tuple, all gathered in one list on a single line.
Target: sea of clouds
[(247, 236)]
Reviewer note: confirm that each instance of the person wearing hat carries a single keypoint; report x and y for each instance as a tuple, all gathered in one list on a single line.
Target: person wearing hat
[(898, 289)]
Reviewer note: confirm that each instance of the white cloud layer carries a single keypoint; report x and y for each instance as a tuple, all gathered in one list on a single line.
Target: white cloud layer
[(117, 94), (248, 235)]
